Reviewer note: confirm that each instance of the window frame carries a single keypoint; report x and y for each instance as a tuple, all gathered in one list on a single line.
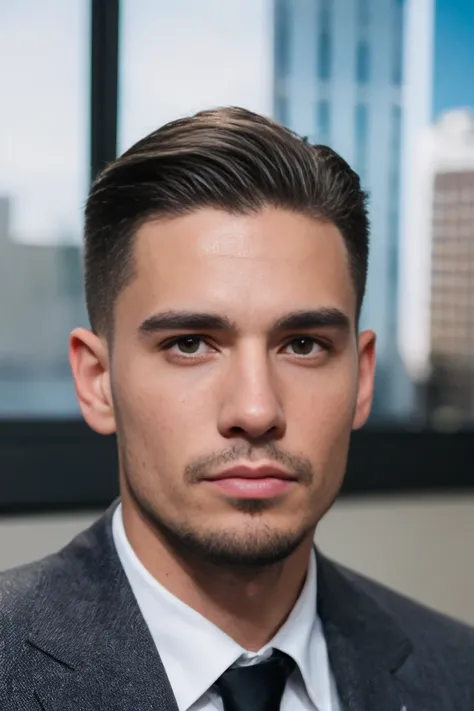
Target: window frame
[(50, 465), (63, 465)]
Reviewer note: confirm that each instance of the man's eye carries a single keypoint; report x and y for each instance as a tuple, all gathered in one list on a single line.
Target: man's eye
[(304, 346), (186, 345)]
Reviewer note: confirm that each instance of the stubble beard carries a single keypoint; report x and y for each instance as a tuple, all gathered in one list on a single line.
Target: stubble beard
[(256, 545)]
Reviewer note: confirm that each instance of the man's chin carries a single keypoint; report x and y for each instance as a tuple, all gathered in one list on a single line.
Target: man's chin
[(250, 536), (252, 547)]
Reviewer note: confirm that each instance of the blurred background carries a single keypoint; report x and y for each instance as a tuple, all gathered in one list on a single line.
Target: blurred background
[(388, 84)]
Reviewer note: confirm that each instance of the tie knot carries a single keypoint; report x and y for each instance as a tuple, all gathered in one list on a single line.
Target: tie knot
[(258, 687)]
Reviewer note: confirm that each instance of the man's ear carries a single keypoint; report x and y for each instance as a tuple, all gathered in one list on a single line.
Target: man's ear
[(89, 359), (365, 391)]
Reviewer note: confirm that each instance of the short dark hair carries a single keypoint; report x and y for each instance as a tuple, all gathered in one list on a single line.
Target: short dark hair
[(226, 158)]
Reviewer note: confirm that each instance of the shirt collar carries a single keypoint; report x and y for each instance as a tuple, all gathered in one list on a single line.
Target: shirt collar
[(192, 647), (302, 638)]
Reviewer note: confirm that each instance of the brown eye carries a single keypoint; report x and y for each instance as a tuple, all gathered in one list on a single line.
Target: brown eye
[(188, 345), (304, 346)]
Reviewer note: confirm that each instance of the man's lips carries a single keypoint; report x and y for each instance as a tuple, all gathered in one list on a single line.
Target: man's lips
[(243, 471), (244, 482)]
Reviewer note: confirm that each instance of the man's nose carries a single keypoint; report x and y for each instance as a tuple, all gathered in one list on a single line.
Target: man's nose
[(251, 406)]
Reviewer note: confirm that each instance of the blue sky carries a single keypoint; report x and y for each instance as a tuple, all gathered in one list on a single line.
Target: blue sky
[(454, 55)]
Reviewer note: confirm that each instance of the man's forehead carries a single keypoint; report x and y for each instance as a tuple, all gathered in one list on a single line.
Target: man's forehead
[(210, 260), (268, 233)]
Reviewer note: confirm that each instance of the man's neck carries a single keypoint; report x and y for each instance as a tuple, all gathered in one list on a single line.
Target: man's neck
[(249, 605)]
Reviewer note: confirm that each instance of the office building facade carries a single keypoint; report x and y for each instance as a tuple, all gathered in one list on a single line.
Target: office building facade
[(338, 79), (41, 300), (451, 382)]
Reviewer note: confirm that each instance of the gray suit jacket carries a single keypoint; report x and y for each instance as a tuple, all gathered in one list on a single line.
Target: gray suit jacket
[(73, 639)]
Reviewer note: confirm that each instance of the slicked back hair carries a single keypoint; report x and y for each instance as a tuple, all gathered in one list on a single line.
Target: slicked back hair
[(226, 158)]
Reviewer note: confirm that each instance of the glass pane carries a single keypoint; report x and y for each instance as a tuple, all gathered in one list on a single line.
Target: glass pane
[(43, 184), (182, 56), (324, 55), (323, 122), (363, 11), (324, 40), (436, 327), (375, 80), (361, 140), (282, 37), (363, 62)]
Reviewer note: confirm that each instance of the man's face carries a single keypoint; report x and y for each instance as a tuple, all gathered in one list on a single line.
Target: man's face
[(235, 345)]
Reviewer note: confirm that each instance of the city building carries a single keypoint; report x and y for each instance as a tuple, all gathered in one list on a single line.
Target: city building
[(451, 319), (41, 300), (340, 78)]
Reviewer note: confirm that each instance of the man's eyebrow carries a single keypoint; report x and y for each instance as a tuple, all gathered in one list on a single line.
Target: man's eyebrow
[(315, 318), (185, 321), (194, 320)]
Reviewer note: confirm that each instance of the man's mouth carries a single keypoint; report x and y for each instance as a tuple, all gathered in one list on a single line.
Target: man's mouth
[(253, 482)]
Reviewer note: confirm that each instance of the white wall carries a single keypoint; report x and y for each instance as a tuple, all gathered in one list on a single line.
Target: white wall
[(422, 546)]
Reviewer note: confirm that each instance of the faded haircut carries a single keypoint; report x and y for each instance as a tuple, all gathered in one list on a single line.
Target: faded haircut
[(226, 158)]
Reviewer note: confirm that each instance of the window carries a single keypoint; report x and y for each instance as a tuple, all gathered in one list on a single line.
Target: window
[(393, 273), (362, 62), (324, 41), (223, 56), (281, 109), (324, 55), (363, 12), (361, 135), (69, 267), (277, 57), (395, 158), (282, 38), (397, 59), (325, 12), (323, 122), (394, 174), (43, 184)]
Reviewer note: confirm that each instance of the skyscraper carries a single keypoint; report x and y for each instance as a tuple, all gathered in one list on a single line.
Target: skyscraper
[(41, 300), (452, 299), (441, 351), (339, 81)]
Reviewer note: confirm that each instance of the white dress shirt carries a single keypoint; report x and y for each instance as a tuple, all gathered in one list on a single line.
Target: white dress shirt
[(195, 652)]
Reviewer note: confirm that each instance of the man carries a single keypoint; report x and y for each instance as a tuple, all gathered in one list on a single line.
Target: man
[(225, 269)]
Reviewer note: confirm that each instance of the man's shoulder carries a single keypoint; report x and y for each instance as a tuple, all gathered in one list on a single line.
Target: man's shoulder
[(21, 586), (49, 595), (425, 626), (21, 590), (56, 574), (24, 577), (431, 654), (52, 580)]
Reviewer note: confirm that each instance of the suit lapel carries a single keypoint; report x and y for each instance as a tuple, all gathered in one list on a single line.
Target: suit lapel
[(361, 687), (92, 649), (372, 659), (89, 648)]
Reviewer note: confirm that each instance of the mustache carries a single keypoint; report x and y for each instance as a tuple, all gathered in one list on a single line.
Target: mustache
[(205, 466)]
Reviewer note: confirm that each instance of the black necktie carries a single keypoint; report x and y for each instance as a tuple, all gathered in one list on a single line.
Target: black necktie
[(258, 687)]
